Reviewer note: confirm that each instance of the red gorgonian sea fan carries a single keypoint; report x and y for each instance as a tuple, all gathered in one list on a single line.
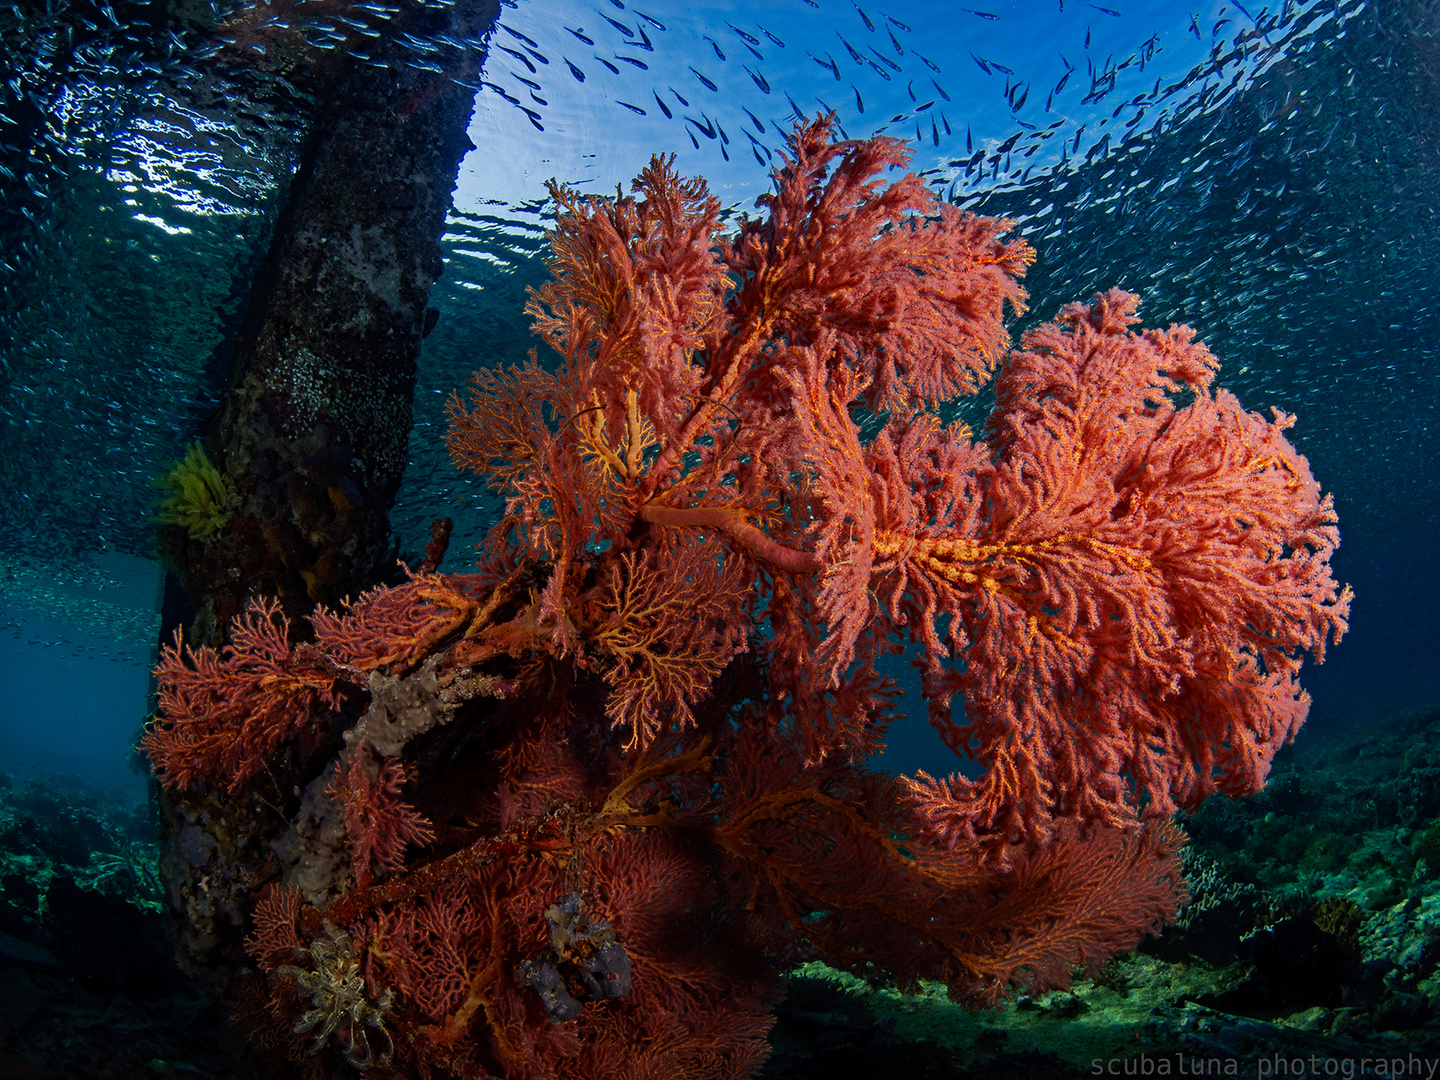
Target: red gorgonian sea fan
[(227, 712), (572, 814), (379, 825)]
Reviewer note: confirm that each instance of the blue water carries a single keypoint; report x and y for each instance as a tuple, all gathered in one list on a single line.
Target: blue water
[(1266, 175)]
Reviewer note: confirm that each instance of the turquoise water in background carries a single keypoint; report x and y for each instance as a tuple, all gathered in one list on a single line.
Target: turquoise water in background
[(1267, 175)]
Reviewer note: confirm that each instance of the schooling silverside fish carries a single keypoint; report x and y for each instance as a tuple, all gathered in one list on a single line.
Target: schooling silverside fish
[(519, 56), (886, 60), (517, 35), (617, 24), (750, 38), (828, 64)]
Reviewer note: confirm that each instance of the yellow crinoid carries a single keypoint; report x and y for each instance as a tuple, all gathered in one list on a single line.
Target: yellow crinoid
[(200, 499)]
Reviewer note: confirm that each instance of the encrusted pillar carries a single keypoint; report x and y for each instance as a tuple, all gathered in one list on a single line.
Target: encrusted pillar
[(311, 437), (314, 428)]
